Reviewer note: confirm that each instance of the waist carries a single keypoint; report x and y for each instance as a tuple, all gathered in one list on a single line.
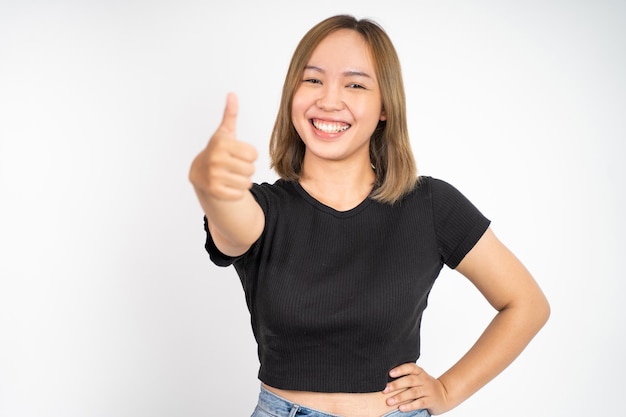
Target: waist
[(339, 403)]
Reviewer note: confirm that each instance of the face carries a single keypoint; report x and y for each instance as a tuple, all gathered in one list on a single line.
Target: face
[(338, 103)]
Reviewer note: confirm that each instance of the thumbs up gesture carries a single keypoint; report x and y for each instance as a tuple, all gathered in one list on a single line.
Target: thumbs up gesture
[(223, 170)]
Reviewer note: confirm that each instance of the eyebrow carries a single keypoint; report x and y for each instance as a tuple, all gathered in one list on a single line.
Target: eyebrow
[(349, 73)]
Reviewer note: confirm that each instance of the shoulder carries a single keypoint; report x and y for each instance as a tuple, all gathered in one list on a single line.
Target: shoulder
[(433, 184), (440, 191), (459, 224), (430, 188), (268, 195)]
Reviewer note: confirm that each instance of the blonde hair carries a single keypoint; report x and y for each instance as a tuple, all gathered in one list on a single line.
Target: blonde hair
[(390, 148)]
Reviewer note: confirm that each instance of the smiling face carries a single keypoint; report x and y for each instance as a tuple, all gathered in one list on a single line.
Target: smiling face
[(337, 104)]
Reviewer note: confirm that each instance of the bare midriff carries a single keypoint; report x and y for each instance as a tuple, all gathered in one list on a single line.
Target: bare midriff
[(370, 404)]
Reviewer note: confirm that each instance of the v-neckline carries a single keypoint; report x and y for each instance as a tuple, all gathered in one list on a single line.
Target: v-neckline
[(328, 209)]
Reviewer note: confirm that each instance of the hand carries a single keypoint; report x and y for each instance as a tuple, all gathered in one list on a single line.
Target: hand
[(418, 390), (223, 170)]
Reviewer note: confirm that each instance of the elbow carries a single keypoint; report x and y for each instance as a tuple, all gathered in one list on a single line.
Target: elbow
[(538, 311), (532, 311), (544, 311)]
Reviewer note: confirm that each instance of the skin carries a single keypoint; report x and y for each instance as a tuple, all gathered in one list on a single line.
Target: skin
[(522, 310), (339, 88), (221, 177)]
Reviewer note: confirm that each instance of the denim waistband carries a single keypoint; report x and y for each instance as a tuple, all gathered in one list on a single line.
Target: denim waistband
[(272, 405)]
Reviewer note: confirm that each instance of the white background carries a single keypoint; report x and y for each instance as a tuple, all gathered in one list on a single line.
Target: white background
[(109, 305)]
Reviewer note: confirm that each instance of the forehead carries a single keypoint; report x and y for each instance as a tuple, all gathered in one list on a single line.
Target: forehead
[(343, 49)]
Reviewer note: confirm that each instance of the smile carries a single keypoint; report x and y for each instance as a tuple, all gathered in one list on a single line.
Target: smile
[(330, 127)]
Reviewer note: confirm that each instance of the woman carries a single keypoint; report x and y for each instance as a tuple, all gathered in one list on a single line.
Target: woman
[(338, 256)]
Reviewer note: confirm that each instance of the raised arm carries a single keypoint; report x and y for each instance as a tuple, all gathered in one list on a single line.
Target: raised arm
[(522, 310), (221, 176)]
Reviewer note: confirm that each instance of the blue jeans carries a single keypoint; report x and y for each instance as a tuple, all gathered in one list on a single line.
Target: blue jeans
[(271, 405)]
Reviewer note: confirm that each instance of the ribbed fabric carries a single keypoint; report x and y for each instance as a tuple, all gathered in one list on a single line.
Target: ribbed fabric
[(336, 298)]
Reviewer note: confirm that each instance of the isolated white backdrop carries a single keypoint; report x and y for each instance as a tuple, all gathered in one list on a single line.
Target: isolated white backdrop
[(109, 305)]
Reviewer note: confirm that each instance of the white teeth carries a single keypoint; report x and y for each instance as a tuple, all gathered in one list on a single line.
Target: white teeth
[(327, 127)]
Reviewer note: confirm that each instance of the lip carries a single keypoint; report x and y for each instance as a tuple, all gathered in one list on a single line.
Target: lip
[(340, 127)]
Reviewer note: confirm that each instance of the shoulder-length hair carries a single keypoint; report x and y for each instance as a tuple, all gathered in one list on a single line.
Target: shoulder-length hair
[(390, 148)]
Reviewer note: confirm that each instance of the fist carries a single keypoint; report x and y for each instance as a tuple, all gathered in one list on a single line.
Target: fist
[(223, 170)]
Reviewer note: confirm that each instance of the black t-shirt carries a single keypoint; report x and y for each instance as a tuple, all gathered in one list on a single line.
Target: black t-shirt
[(336, 298)]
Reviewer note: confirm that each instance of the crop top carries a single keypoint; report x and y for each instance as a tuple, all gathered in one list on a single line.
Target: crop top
[(336, 297)]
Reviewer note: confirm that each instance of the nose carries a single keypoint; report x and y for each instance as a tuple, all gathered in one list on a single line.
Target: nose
[(330, 99)]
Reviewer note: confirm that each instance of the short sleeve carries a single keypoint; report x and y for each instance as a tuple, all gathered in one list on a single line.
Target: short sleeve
[(216, 256), (260, 193), (459, 225)]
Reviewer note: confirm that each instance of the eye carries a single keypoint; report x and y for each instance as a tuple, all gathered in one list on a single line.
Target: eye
[(355, 85), (312, 81)]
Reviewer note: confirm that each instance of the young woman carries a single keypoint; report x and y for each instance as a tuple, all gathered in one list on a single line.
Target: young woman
[(338, 256)]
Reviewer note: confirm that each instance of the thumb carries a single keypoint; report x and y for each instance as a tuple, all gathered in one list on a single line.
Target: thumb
[(229, 121)]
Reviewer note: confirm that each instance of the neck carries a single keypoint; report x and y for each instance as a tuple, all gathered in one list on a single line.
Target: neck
[(338, 185)]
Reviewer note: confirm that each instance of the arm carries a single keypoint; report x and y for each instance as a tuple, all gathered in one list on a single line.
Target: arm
[(220, 175), (522, 311)]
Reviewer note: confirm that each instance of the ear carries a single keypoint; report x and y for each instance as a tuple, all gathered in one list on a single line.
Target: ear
[(383, 116)]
